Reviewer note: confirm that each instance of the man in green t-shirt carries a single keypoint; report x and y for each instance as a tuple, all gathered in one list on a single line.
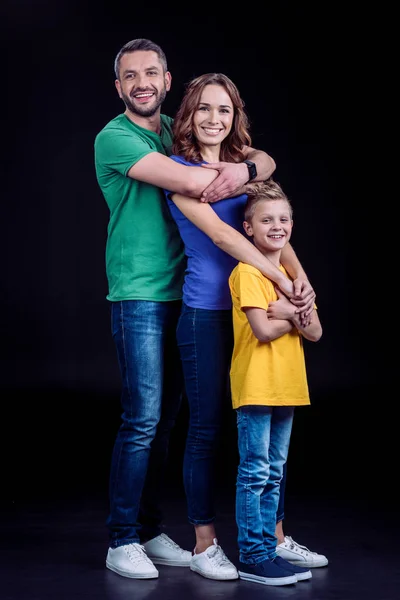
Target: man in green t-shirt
[(145, 267)]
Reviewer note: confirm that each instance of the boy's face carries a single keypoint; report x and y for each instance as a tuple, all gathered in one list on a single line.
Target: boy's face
[(271, 225)]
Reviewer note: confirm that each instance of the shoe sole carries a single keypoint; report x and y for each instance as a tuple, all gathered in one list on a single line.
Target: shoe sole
[(268, 580), (303, 576), (130, 575), (309, 565), (167, 562), (215, 577)]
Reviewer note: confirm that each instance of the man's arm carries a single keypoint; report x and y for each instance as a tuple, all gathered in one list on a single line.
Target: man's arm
[(265, 165), (163, 172)]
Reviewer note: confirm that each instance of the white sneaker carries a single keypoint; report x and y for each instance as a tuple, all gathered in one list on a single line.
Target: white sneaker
[(164, 551), (131, 560), (300, 555), (213, 563)]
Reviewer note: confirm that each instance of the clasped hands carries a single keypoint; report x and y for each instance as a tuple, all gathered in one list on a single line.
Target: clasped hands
[(298, 293)]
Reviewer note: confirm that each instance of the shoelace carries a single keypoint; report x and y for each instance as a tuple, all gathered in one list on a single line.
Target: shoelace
[(293, 544), (168, 542), (218, 557), (137, 553)]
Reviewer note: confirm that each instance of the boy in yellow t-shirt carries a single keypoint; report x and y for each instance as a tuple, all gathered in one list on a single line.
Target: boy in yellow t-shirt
[(268, 379)]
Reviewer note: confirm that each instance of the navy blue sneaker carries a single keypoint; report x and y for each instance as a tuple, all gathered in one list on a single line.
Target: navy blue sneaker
[(300, 572), (266, 572)]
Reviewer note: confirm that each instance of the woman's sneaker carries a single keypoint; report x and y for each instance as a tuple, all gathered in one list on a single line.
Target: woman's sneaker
[(266, 572), (132, 561), (164, 551), (213, 564), (301, 573), (300, 555)]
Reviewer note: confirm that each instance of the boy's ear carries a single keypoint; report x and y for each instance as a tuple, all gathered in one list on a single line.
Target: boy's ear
[(248, 228)]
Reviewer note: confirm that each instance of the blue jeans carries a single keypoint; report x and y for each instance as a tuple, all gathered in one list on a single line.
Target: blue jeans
[(145, 337), (280, 513), (263, 441), (205, 339)]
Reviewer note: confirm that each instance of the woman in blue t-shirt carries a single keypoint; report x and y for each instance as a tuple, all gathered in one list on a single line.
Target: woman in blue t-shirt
[(211, 126)]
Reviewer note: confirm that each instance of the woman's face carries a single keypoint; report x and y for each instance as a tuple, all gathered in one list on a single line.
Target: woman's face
[(213, 118)]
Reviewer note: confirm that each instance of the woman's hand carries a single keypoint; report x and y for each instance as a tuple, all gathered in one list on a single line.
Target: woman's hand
[(304, 299)]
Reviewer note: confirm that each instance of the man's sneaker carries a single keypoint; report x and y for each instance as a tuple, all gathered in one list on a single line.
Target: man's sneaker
[(164, 551), (300, 572), (131, 560), (266, 572), (300, 555), (213, 563)]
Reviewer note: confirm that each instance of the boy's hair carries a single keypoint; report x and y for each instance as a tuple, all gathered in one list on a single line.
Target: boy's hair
[(186, 145), (266, 190), (143, 45)]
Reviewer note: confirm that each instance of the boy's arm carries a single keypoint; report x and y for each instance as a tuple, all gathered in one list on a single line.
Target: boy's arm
[(229, 240), (265, 166), (284, 309), (311, 332), (264, 329)]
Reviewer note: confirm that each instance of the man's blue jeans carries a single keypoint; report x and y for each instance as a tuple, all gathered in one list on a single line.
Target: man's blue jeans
[(145, 336), (263, 441)]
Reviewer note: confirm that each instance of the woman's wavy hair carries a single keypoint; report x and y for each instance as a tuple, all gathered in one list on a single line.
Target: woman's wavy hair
[(185, 143)]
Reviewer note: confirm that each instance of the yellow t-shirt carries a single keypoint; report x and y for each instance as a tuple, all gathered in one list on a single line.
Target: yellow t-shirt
[(272, 373)]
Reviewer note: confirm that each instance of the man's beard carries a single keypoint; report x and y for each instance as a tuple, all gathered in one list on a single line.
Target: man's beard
[(145, 111)]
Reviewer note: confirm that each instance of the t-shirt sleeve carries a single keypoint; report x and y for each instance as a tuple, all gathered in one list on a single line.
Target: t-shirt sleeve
[(119, 150), (253, 290)]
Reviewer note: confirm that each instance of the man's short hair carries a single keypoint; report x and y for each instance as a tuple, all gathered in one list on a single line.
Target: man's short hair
[(140, 44)]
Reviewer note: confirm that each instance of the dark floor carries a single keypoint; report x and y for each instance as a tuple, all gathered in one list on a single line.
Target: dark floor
[(58, 551), (342, 501)]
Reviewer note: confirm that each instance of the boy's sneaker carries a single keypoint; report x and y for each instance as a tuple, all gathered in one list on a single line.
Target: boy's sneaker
[(213, 564), (300, 572), (300, 555), (131, 560), (164, 551), (266, 572)]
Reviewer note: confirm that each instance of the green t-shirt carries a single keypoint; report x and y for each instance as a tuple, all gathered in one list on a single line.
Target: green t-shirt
[(144, 251)]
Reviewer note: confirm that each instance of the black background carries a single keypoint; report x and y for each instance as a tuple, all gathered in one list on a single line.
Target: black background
[(307, 75)]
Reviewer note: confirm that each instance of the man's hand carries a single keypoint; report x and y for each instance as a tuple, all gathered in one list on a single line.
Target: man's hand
[(303, 299), (232, 177), (282, 308)]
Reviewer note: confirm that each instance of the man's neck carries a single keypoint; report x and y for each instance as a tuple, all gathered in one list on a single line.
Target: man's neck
[(151, 123)]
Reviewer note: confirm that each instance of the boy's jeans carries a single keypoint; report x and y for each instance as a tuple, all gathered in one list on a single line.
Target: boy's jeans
[(263, 440), (145, 336)]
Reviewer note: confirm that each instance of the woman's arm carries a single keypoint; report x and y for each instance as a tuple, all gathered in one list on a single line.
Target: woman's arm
[(229, 240)]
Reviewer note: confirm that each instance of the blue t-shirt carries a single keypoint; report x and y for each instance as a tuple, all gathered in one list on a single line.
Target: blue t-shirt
[(208, 268)]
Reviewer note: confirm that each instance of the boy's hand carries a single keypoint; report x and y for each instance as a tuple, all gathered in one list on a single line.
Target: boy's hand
[(232, 177), (282, 308), (303, 299)]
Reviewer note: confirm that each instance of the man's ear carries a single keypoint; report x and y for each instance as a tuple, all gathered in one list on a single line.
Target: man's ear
[(168, 79), (118, 86)]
